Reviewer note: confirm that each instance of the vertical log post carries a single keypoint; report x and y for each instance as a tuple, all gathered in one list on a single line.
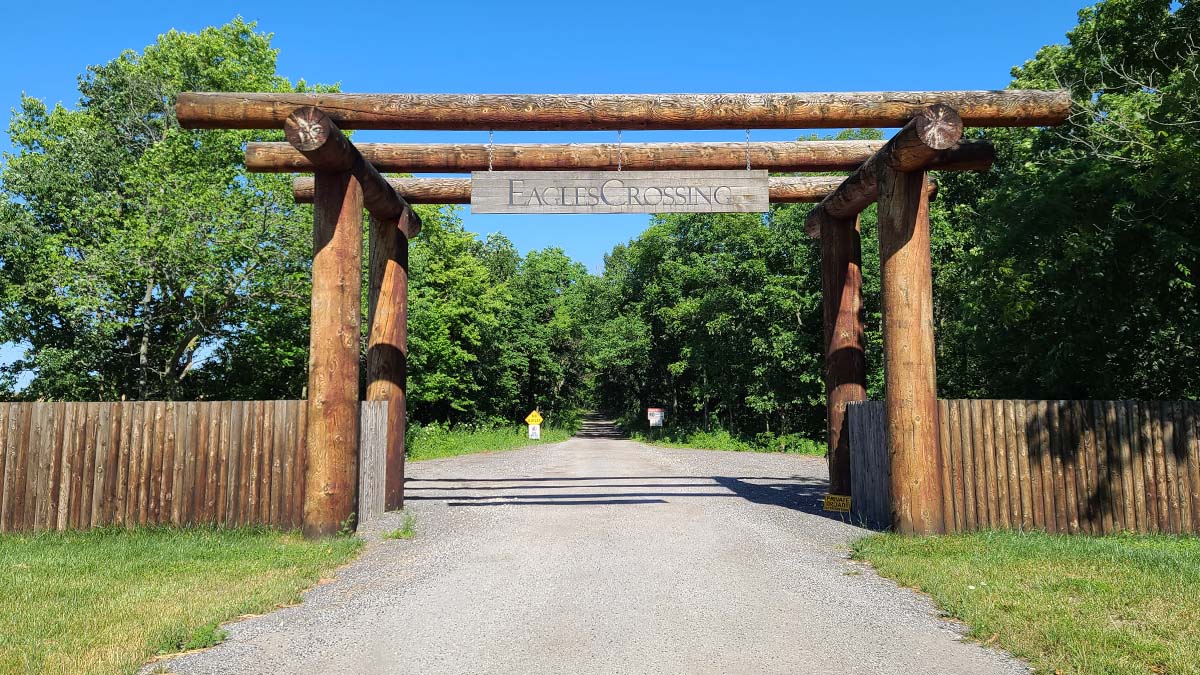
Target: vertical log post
[(387, 349), (908, 346), (331, 471), (845, 361)]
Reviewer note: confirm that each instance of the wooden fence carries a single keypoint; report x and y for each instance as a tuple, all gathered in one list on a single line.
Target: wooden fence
[(1092, 467), (80, 465)]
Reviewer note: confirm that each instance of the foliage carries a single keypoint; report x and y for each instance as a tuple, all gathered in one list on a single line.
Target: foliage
[(723, 440), (130, 248), (407, 530), (1070, 269), (433, 441), (104, 601), (1068, 604)]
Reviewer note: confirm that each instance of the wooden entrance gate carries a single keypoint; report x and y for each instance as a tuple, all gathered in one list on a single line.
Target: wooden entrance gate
[(347, 179)]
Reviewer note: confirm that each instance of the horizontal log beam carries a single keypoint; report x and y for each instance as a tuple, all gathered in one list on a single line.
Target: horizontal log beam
[(785, 189), (481, 112), (779, 157), (316, 137), (917, 147)]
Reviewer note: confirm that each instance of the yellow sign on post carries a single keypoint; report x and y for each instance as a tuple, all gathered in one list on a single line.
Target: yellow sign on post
[(839, 503), (534, 418)]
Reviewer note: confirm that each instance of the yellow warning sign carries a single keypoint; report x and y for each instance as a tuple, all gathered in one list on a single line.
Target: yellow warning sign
[(840, 503), (535, 417)]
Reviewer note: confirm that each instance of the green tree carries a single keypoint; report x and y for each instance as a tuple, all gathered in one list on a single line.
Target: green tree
[(131, 249)]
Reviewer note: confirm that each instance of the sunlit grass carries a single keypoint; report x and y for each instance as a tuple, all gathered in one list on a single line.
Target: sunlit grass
[(1070, 604), (107, 600), (723, 440), (432, 442)]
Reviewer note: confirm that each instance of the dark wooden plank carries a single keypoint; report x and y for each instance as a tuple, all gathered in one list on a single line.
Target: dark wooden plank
[(1028, 420), (82, 450), (945, 424), (39, 466), (1177, 455), (287, 453), (200, 500), (262, 508), (1085, 444), (1107, 418), (67, 413), (979, 454), (23, 460), (1145, 447), (1007, 414), (273, 501), (192, 458), (255, 463), (1143, 513), (108, 434), (157, 462), (1192, 427), (1166, 425), (988, 440), (146, 482), (246, 432), (179, 444), (8, 433), (230, 477), (1015, 413), (1161, 486), (213, 470)]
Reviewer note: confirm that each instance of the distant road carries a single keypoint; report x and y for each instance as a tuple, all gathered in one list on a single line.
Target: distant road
[(601, 555)]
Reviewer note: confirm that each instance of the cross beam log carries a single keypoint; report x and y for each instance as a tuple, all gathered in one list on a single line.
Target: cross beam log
[(780, 157), (315, 136), (783, 189), (577, 112), (919, 145)]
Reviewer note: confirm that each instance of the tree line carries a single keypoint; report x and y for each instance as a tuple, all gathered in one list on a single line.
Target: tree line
[(140, 260)]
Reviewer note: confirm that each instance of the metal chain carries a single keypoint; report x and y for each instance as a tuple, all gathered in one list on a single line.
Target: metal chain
[(747, 149), (618, 149), (489, 149)]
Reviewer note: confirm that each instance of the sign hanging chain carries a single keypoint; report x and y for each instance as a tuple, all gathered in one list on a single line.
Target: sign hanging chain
[(747, 149), (618, 149), (489, 149)]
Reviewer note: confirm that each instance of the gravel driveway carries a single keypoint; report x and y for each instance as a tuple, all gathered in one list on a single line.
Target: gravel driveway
[(599, 555)]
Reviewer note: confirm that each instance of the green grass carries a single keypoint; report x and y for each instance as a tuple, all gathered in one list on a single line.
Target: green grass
[(406, 531), (107, 600), (1069, 604), (434, 441), (723, 440)]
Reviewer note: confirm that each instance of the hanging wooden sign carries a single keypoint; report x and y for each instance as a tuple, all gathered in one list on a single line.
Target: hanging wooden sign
[(619, 192)]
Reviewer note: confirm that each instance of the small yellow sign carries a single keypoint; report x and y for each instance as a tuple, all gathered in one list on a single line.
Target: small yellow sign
[(839, 503), (535, 417)]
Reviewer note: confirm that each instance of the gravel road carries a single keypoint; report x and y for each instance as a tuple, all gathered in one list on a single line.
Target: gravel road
[(600, 555)]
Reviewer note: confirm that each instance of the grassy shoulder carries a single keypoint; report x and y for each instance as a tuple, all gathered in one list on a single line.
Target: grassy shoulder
[(435, 441), (1067, 604), (723, 440), (105, 601)]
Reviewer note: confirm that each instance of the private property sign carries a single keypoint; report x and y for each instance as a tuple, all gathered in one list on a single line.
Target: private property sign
[(619, 192)]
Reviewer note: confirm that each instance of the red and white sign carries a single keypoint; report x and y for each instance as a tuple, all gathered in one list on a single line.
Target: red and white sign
[(656, 416)]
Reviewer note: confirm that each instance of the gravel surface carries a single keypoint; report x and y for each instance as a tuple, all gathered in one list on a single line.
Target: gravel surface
[(599, 555)]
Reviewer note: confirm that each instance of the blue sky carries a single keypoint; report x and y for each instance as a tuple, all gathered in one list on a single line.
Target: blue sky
[(562, 47)]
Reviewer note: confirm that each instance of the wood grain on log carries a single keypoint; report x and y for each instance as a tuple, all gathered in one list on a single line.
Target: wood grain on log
[(331, 469), (845, 343), (481, 112), (314, 135), (786, 156), (916, 147)]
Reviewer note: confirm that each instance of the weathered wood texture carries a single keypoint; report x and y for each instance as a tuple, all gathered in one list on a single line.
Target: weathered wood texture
[(99, 454), (481, 112), (780, 189), (372, 461), (870, 505), (933, 131), (619, 192), (845, 342), (778, 156), (910, 372), (387, 344), (315, 136), (1087, 467), (333, 359)]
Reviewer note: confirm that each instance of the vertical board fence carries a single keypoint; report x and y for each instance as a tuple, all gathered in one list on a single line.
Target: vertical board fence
[(1090, 467)]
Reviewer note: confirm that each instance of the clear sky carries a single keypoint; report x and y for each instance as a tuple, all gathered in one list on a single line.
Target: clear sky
[(562, 47)]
